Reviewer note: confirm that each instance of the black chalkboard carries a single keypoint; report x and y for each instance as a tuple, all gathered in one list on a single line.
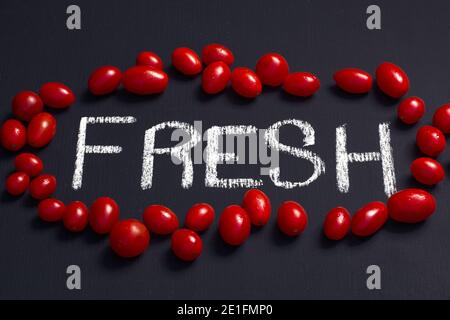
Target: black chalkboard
[(316, 36)]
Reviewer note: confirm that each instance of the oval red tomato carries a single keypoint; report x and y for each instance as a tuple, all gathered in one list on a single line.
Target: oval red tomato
[(441, 118), (186, 61), (29, 163), (56, 95), (392, 80), (26, 104), (246, 83), (160, 219), (76, 216), (200, 217), (104, 80), (411, 110), (353, 80), (129, 238), (103, 214), (430, 140), (215, 77), (17, 183), (13, 135), (337, 223), (51, 210), (149, 59), (217, 52), (369, 219), (257, 205), (234, 225), (186, 244), (301, 84), (292, 218), (145, 80), (42, 186), (41, 130), (411, 205), (427, 171), (272, 69)]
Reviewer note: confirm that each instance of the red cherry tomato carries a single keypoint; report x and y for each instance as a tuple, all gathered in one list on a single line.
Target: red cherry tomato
[(257, 205), (186, 244), (27, 104), (149, 59), (42, 186), (369, 219), (56, 95), (337, 223), (301, 84), (430, 140), (292, 218), (272, 69), (13, 135), (129, 238), (217, 52), (41, 130), (427, 171), (411, 205), (29, 163), (104, 80), (353, 80), (75, 217), (392, 80), (145, 80), (411, 110), (441, 118), (51, 210), (200, 217), (160, 219), (17, 183), (104, 213), (215, 77), (246, 83), (186, 61), (234, 225)]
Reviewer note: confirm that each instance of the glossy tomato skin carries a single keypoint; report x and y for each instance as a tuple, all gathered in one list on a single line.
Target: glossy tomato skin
[(441, 118), (149, 59), (17, 183), (353, 80), (337, 223), (292, 218), (392, 80), (129, 238), (41, 130), (427, 171), (56, 95), (272, 69), (186, 61), (76, 216), (51, 210), (411, 110), (26, 104), (104, 80), (369, 219), (234, 225), (200, 217), (186, 245), (13, 135), (430, 140), (217, 52), (411, 205), (29, 163), (43, 186), (103, 214), (143, 80), (257, 205), (215, 77), (160, 219), (245, 82), (301, 84)]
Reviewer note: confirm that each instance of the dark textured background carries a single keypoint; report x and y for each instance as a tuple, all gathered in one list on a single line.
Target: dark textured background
[(317, 36)]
